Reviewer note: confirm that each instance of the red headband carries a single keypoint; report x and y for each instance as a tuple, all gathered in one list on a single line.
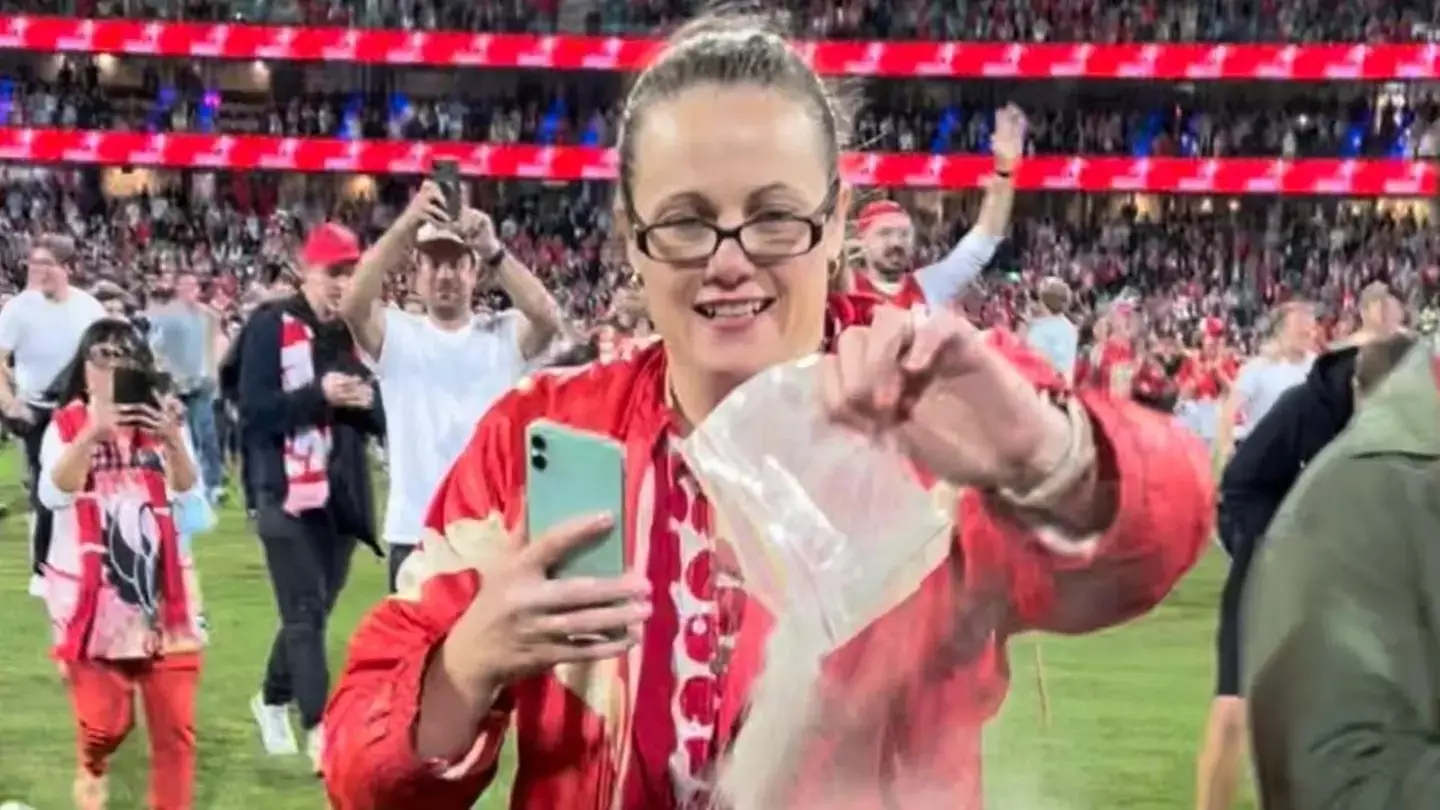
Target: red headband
[(875, 210)]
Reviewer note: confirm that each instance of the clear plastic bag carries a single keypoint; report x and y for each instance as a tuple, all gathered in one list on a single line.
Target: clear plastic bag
[(821, 518)]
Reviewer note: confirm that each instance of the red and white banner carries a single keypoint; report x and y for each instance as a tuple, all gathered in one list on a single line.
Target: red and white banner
[(1228, 176), (1202, 62)]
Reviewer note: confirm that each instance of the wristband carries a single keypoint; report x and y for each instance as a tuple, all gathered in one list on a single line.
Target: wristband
[(1067, 472), (1003, 174), (495, 259)]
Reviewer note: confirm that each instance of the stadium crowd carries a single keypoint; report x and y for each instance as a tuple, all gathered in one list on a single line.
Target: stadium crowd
[(1180, 272), (1037, 20), (1178, 269), (1153, 123)]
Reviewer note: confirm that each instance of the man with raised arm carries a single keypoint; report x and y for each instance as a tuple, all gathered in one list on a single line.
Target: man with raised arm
[(887, 234), (439, 371)]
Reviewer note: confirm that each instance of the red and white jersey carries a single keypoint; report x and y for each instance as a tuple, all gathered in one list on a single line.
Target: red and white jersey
[(907, 295)]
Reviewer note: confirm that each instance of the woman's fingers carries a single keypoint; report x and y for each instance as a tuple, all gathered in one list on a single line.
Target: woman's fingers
[(862, 383), (581, 650), (548, 550), (851, 365), (553, 596), (141, 416), (614, 619)]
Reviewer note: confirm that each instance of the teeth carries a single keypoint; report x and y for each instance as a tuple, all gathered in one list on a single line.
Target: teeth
[(738, 309)]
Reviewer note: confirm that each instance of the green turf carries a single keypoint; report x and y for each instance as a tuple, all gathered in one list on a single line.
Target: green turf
[(1126, 706)]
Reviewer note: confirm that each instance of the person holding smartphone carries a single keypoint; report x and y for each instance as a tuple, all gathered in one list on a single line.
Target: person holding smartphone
[(440, 370), (119, 586), (307, 404), (1070, 512)]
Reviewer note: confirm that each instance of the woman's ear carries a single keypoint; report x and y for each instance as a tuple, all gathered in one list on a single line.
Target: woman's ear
[(835, 237)]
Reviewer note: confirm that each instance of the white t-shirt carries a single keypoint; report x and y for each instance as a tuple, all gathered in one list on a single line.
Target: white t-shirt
[(43, 335), (1260, 384), (436, 385)]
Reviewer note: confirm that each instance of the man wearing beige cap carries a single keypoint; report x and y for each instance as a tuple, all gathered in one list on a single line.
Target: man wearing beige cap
[(439, 371), (1052, 334)]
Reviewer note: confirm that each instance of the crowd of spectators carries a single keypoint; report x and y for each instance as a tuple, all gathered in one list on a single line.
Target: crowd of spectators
[(1182, 268), (245, 235), (988, 20), (1177, 269), (1306, 126)]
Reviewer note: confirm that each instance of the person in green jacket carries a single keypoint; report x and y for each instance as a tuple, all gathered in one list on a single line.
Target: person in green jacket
[(1341, 624)]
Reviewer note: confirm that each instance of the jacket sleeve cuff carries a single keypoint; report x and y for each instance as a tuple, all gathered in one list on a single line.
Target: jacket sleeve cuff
[(391, 722), (1122, 468)]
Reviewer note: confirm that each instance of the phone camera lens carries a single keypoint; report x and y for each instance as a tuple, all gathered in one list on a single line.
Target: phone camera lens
[(537, 443), (538, 461)]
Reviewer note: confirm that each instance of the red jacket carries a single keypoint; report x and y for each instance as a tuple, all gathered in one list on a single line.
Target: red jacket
[(944, 644), (907, 296)]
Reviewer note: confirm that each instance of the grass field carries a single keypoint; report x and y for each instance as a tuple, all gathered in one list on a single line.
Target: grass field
[(1126, 706)]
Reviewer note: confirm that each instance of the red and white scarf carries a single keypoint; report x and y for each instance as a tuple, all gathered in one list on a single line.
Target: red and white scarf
[(171, 614), (307, 451)]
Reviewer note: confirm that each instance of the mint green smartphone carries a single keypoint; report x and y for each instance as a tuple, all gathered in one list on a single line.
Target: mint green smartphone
[(573, 473)]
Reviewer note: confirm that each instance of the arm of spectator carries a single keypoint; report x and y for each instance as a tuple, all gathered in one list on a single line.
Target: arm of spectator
[(9, 337), (945, 279), (543, 320), (214, 342), (363, 306), (264, 403), (1230, 410), (64, 466)]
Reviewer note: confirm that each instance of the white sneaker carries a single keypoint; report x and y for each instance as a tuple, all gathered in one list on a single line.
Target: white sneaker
[(275, 732), (315, 748)]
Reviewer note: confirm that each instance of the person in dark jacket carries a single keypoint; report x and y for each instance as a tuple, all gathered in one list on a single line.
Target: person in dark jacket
[(1303, 421), (307, 404)]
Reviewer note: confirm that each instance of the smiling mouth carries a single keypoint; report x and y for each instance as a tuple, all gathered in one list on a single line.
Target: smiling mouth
[(726, 310)]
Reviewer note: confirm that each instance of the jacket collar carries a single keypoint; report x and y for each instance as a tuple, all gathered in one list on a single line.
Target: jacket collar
[(1403, 416)]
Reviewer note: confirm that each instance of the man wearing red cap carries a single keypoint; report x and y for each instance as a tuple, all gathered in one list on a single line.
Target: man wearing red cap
[(887, 234), (306, 406)]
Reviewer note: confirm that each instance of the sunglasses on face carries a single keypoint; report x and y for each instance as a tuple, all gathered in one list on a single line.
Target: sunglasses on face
[(109, 356), (341, 270)]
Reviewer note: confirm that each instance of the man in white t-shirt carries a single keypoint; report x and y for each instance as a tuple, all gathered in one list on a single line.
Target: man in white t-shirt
[(440, 371), (41, 329), (1282, 366)]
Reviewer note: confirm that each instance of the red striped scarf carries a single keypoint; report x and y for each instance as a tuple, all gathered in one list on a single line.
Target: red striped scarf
[(90, 521), (307, 452)]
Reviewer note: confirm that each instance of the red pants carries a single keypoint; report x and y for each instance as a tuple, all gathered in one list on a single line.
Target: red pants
[(103, 694)]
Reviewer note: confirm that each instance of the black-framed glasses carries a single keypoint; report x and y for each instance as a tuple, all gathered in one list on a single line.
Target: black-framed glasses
[(764, 238)]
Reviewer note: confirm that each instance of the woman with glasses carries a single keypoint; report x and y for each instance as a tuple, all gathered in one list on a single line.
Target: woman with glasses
[(119, 587), (1070, 513)]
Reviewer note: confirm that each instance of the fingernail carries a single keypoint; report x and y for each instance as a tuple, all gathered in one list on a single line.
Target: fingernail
[(603, 521)]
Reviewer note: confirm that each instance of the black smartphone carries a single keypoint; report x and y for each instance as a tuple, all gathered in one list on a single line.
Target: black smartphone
[(446, 174), (136, 387)]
